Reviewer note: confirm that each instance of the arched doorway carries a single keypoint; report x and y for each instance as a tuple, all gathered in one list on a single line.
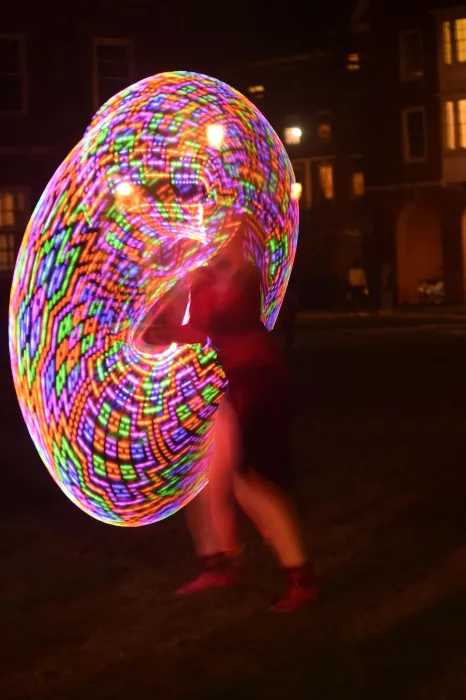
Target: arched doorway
[(418, 248)]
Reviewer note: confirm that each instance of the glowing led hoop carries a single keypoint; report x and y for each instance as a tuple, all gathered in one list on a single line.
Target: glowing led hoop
[(150, 193)]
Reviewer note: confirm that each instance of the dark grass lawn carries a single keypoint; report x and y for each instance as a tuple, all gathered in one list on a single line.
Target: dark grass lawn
[(87, 610)]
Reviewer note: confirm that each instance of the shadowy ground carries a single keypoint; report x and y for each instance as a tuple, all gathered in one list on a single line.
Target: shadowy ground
[(87, 610)]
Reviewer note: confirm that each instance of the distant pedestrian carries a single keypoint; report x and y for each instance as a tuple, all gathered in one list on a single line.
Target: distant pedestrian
[(387, 289), (357, 284)]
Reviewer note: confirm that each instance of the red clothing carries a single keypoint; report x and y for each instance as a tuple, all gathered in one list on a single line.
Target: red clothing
[(256, 372), (233, 321)]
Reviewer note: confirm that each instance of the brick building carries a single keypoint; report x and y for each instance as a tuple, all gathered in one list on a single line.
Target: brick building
[(312, 100), (373, 117), (57, 65), (382, 152), (413, 106)]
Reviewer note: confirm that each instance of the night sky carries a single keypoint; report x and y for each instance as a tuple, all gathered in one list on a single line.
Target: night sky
[(244, 30), (206, 30)]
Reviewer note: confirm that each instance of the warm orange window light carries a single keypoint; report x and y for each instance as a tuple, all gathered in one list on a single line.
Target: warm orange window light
[(257, 91), (324, 131), (447, 49), (462, 122), (357, 181), (450, 124), (326, 180), (460, 40), (352, 61)]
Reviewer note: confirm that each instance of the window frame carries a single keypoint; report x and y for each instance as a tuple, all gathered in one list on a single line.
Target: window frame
[(108, 41), (23, 77), (454, 147), (407, 158), (330, 163), (357, 168), (404, 75), (453, 25), (9, 236), (323, 113), (448, 23), (17, 228)]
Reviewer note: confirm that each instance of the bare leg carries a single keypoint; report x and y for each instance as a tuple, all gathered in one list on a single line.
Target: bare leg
[(274, 516), (199, 521), (211, 516), (224, 461)]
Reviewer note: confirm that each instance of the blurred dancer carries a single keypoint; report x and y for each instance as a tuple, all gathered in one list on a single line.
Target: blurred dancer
[(226, 307)]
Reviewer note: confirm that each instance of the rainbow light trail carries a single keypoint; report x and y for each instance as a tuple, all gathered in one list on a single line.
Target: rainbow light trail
[(150, 193)]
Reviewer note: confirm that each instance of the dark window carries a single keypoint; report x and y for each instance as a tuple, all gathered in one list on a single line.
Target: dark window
[(324, 126), (11, 74), (112, 69), (411, 55), (415, 134)]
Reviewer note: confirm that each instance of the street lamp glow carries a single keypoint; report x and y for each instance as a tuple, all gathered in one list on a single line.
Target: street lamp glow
[(293, 135), (215, 135), (296, 190)]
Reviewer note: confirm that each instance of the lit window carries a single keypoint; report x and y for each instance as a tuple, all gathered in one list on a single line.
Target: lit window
[(12, 207), (450, 124), (326, 180), (352, 62), (112, 68), (256, 91), (460, 40), (7, 209), (411, 55), (462, 122), (357, 184), (7, 252), (414, 134), (447, 48), (12, 74), (293, 135), (324, 126)]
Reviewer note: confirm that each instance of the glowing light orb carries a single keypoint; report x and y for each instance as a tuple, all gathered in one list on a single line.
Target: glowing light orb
[(152, 191)]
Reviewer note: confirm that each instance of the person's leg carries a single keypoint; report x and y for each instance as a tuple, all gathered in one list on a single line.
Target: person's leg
[(261, 398), (274, 515), (199, 521), (225, 459), (211, 516)]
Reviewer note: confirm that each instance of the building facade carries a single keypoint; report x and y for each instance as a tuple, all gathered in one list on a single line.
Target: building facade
[(413, 63), (312, 101), (56, 68), (374, 121)]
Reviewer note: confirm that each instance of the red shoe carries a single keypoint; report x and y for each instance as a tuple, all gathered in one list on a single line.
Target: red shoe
[(219, 572), (301, 589)]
